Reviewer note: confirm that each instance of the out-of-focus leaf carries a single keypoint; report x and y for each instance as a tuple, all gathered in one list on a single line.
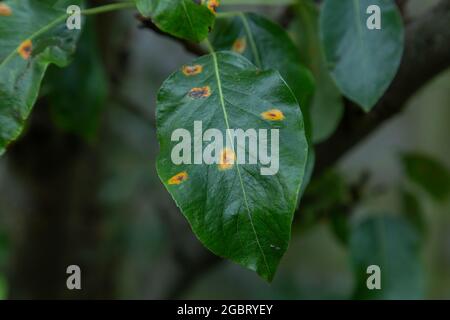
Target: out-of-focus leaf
[(325, 197), (235, 211), (392, 244), (362, 61), (326, 107), (268, 46), (32, 36), (310, 164), (413, 211), (432, 176), (79, 91), (340, 224), (187, 19)]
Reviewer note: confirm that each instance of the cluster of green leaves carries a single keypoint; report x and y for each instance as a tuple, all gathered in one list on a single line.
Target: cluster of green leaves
[(239, 214), (253, 68)]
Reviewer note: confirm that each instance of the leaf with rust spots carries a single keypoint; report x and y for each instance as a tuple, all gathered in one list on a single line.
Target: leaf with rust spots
[(184, 19), (268, 46), (234, 210), (25, 54)]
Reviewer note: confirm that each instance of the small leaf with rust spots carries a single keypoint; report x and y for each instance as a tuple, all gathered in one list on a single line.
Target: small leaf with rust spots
[(227, 159), (178, 178), (186, 19), (273, 115), (239, 45), (5, 10), (203, 92), (192, 70), (32, 36), (25, 49)]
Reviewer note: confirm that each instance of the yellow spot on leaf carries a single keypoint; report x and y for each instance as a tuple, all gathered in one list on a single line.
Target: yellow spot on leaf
[(239, 45), (202, 92), (273, 115), (25, 49), (178, 178), (213, 5), (227, 159), (192, 70), (5, 10)]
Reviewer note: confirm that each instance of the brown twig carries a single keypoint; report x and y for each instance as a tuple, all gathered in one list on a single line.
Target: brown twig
[(191, 47)]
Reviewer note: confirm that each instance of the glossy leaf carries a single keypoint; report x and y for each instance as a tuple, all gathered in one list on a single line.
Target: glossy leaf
[(427, 173), (235, 211), (326, 108), (187, 19), (32, 36), (268, 46), (79, 91), (362, 61), (392, 244)]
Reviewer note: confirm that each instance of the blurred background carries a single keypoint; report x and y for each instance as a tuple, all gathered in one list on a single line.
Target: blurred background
[(80, 187)]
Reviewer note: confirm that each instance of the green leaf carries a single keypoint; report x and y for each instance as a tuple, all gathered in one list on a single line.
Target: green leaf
[(78, 92), (427, 173), (309, 170), (392, 244), (187, 19), (268, 46), (234, 210), (413, 211), (31, 26), (326, 108), (362, 61)]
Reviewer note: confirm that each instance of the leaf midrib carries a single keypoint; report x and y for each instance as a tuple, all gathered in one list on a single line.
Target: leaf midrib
[(188, 16), (251, 40), (225, 114)]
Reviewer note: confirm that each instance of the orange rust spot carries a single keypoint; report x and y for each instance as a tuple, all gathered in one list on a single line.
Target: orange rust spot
[(5, 10), (213, 5), (192, 70), (227, 159), (25, 49), (239, 45), (273, 115), (202, 92), (178, 178)]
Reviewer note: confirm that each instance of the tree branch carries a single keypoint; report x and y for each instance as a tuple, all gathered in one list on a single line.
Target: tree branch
[(191, 47)]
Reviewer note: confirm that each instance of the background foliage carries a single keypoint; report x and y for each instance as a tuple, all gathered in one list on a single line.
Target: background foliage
[(79, 186)]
